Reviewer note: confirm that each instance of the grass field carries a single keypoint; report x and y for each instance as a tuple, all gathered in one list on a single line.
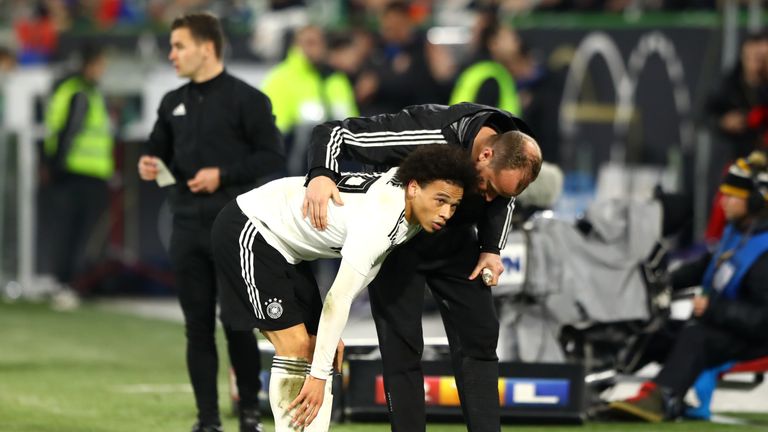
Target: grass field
[(90, 370)]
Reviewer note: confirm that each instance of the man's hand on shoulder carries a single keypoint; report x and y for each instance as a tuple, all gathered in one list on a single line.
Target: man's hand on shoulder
[(319, 190), (207, 180)]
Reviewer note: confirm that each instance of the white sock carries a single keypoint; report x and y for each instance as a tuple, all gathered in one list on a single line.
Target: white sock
[(285, 382), (322, 422)]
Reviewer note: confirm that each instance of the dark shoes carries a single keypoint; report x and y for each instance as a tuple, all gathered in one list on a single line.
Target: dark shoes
[(652, 404), (250, 420), (206, 428)]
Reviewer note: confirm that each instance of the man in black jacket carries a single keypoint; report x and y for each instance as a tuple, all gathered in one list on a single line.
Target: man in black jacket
[(506, 159), (731, 316), (218, 137)]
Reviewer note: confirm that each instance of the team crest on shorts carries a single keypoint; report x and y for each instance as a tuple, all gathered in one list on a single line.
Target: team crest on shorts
[(274, 308)]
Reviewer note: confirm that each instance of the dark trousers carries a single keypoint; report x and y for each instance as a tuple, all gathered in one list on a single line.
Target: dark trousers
[(77, 203), (699, 347), (195, 274), (444, 262)]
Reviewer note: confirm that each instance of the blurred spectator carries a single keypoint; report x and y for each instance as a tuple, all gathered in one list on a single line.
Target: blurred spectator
[(739, 93), (486, 79), (78, 162), (305, 91), (539, 89), (402, 61), (36, 33), (272, 26)]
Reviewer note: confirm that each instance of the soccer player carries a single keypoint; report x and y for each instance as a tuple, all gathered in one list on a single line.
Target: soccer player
[(261, 242)]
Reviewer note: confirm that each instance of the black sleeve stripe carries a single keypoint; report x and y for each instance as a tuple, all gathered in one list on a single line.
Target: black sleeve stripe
[(507, 223)]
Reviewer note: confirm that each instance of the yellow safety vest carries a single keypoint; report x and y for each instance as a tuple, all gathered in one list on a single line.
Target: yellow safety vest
[(299, 94), (473, 77), (90, 153)]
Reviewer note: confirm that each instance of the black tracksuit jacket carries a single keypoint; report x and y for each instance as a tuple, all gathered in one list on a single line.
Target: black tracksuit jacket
[(223, 123), (384, 140)]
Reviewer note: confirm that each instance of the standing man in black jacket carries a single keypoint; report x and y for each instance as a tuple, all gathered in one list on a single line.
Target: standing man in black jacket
[(218, 137), (506, 159)]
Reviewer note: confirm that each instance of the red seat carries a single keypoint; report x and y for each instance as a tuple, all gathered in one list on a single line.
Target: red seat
[(758, 365)]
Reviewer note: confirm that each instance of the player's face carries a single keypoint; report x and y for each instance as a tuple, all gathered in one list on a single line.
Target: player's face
[(735, 208), (434, 204), (187, 55)]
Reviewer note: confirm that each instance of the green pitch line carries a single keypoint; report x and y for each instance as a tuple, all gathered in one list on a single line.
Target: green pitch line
[(96, 371)]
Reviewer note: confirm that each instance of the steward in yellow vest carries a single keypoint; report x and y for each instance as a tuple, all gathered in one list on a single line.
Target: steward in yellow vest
[(304, 92), (78, 157), (487, 80), (79, 137)]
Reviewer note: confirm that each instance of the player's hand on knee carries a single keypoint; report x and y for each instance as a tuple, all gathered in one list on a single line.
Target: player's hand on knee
[(319, 190), (307, 404)]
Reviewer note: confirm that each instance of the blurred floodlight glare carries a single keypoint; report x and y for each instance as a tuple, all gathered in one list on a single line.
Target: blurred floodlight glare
[(449, 35)]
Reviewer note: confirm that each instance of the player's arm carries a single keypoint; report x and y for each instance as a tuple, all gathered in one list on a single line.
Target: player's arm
[(492, 233), (347, 285)]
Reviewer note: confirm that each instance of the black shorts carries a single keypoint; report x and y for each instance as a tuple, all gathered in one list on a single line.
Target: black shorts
[(258, 288)]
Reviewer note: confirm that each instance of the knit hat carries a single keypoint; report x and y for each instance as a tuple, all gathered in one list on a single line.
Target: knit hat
[(738, 182)]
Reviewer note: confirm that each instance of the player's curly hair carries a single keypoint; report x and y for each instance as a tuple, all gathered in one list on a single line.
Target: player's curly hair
[(438, 162)]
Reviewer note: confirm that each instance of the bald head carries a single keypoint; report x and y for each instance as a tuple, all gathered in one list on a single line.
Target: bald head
[(518, 151)]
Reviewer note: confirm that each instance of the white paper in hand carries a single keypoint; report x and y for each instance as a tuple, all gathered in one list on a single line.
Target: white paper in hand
[(164, 176)]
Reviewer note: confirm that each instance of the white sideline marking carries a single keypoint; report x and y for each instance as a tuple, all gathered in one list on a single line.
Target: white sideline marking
[(153, 388)]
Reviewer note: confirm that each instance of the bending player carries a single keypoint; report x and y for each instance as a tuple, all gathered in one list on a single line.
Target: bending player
[(261, 242)]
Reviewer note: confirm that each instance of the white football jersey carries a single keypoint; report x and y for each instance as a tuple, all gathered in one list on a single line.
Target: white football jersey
[(362, 231)]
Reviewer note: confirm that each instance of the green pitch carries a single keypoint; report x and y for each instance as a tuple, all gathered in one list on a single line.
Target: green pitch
[(94, 371)]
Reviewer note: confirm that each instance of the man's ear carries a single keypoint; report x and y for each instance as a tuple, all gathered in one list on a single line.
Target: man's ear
[(412, 188), (209, 49), (485, 154)]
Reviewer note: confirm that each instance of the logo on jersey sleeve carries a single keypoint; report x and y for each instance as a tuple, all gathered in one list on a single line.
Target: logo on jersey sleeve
[(274, 308)]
